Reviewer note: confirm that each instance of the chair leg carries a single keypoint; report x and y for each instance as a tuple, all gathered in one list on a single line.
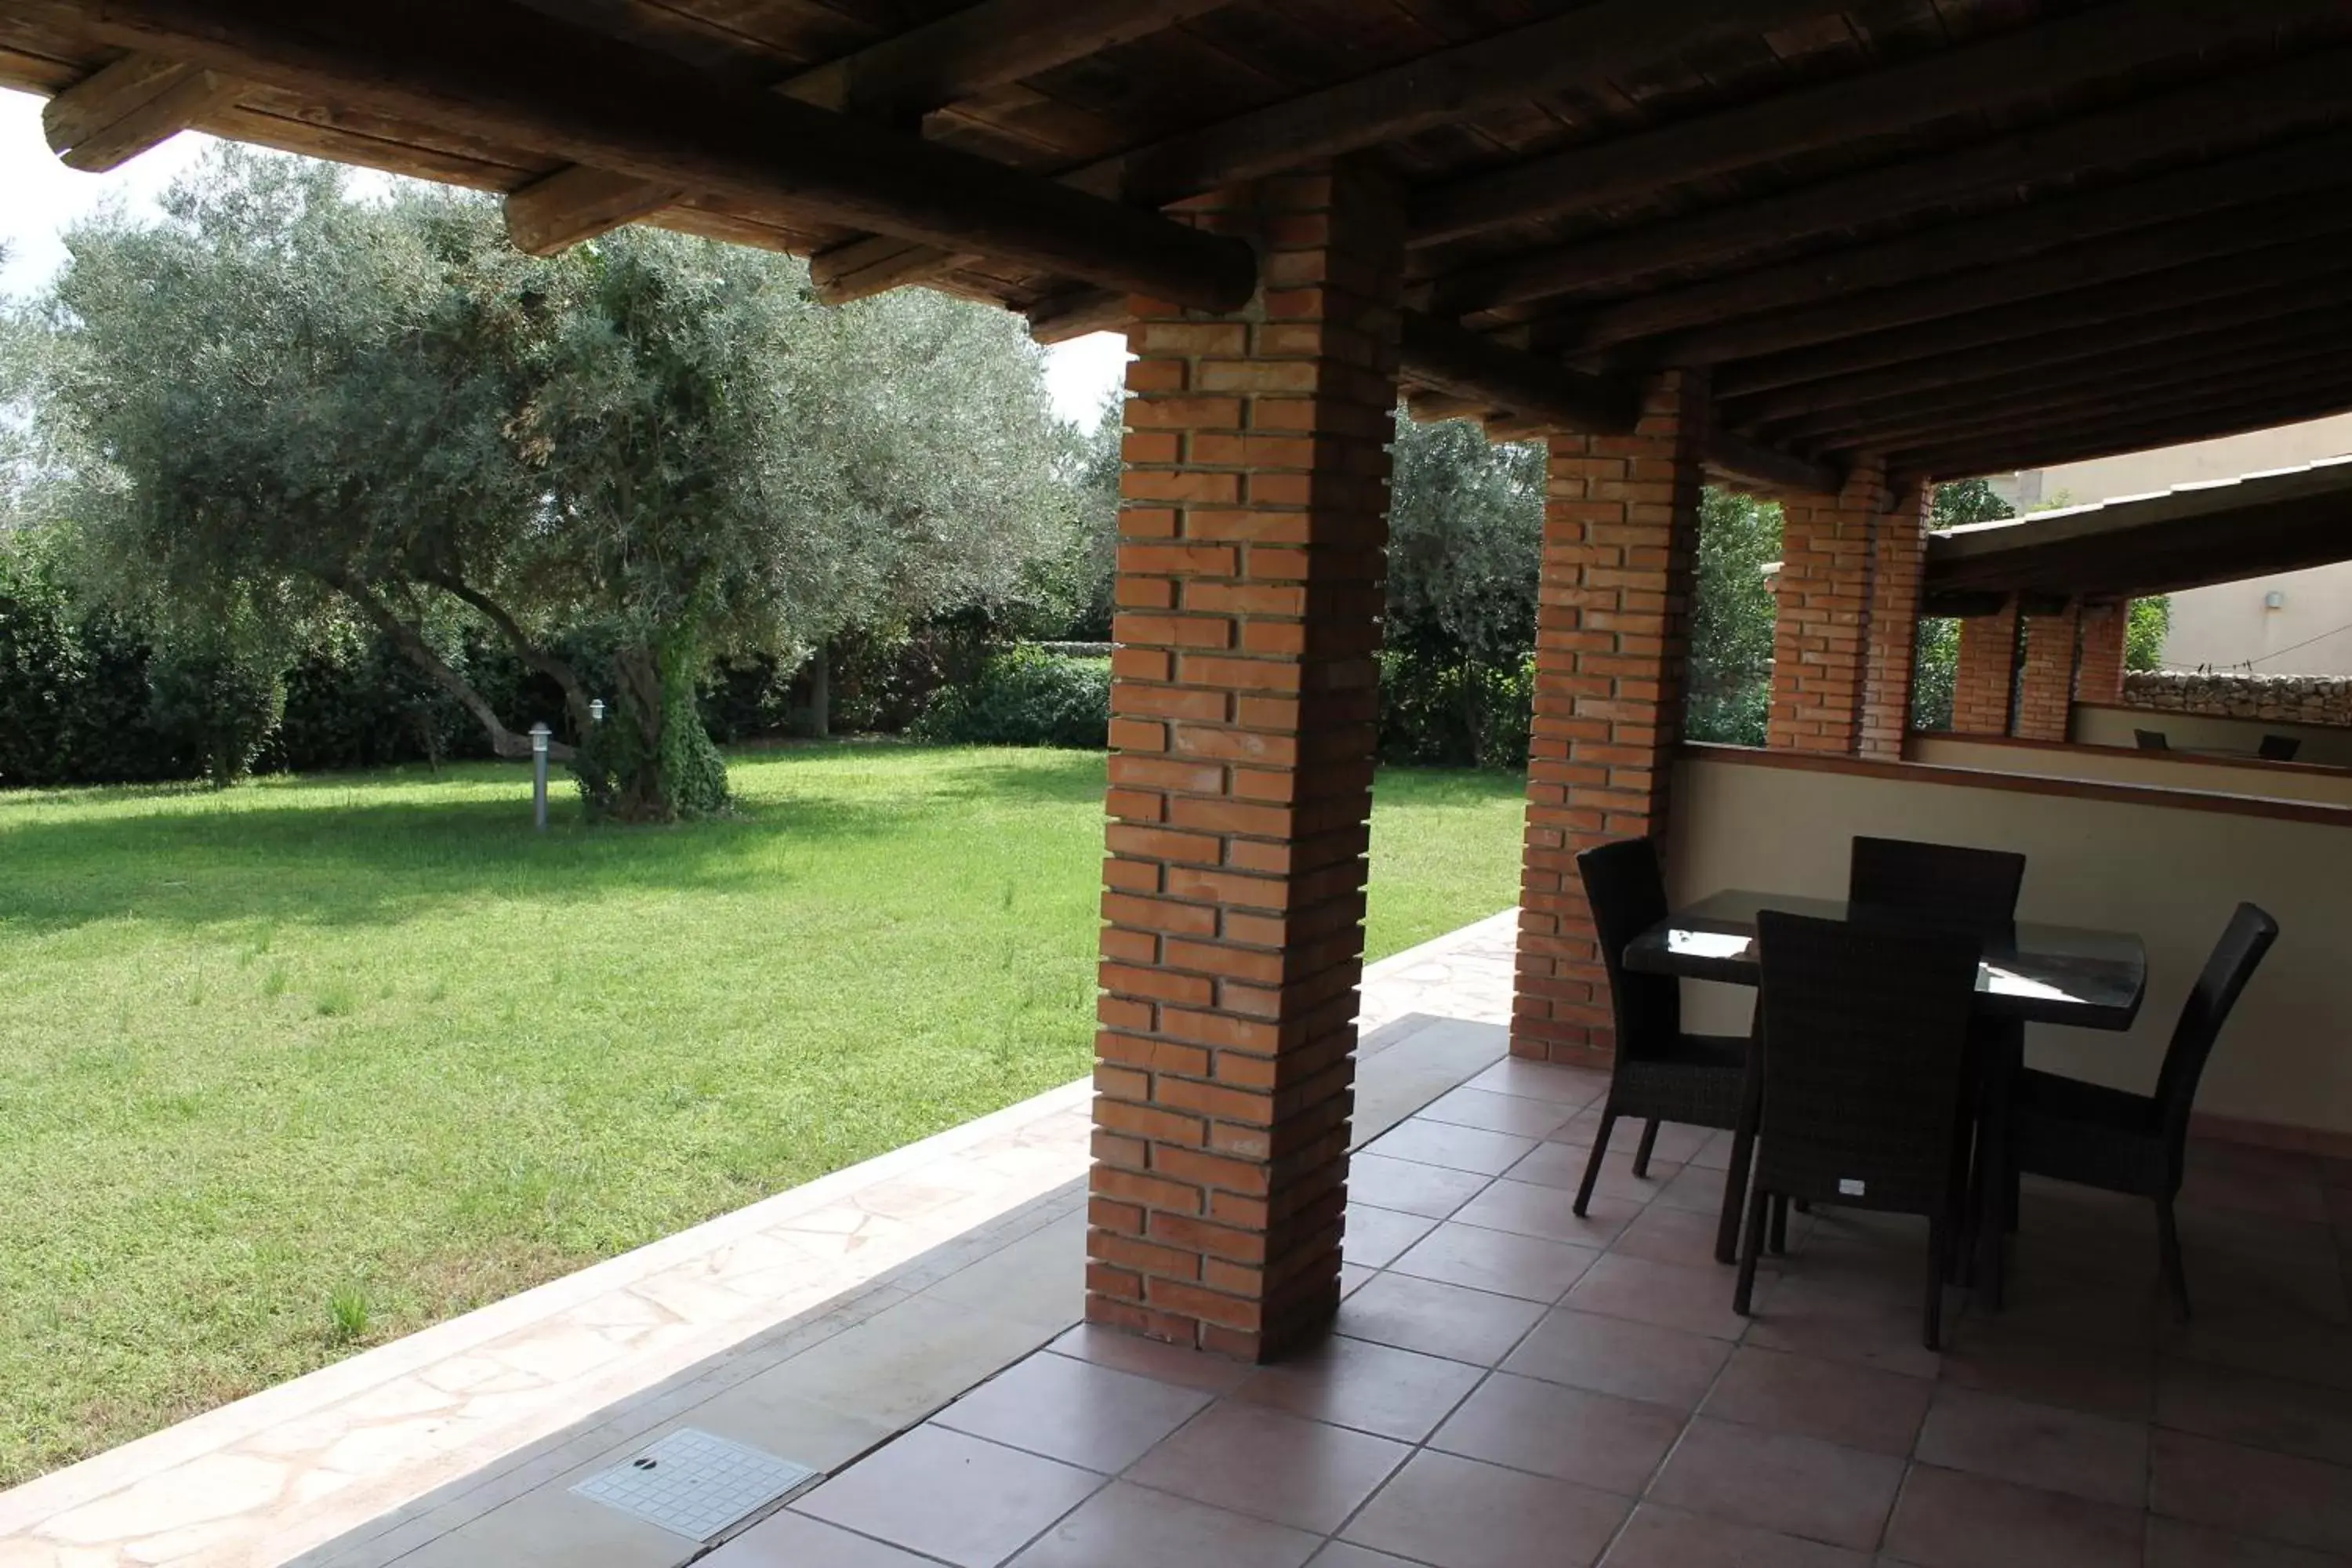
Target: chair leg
[(1744, 1293), (2167, 1241), (1938, 1250), (1779, 1242), (1642, 1150), (1743, 1153), (1592, 1164)]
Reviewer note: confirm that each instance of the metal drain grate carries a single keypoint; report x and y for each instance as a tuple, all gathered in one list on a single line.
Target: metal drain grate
[(694, 1484)]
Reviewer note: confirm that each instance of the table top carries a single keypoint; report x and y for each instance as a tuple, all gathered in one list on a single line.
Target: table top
[(2041, 973)]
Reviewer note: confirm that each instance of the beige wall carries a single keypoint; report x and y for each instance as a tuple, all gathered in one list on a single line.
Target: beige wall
[(2156, 770), (2171, 875), (2325, 744), (2229, 623)]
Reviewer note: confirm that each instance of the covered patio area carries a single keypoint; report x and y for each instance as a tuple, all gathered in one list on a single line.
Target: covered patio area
[(1830, 253)]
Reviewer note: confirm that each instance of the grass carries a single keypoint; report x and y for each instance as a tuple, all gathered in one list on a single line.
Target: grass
[(313, 1063)]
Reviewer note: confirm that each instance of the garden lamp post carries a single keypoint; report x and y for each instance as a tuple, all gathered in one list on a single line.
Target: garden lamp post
[(538, 737), (596, 711)]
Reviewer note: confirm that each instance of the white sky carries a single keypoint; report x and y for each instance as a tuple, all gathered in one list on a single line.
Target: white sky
[(40, 196)]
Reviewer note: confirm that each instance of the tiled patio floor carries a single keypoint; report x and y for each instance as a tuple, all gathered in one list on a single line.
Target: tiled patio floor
[(1510, 1386)]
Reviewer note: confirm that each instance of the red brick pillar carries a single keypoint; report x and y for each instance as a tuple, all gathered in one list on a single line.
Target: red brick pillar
[(2045, 696), (1986, 673), (1612, 638), (1243, 703), (2099, 671), (1898, 564), (1819, 653)]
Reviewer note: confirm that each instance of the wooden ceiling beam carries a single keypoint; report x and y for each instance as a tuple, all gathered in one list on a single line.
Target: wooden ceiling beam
[(2040, 446), (1716, 304), (2245, 106), (2176, 288), (895, 82), (140, 101), (509, 70), (1451, 359), (2058, 343), (1587, 47), (2008, 67), (1754, 465), (2228, 348), (2111, 259), (2159, 555)]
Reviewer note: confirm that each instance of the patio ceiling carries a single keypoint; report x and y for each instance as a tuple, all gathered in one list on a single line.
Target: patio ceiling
[(2186, 537), (1966, 235)]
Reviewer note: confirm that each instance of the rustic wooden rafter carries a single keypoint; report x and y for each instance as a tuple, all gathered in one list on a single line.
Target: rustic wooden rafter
[(1755, 465), (2041, 443), (140, 101), (504, 68)]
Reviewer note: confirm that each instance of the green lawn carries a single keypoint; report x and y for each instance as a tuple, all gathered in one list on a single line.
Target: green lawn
[(315, 1062)]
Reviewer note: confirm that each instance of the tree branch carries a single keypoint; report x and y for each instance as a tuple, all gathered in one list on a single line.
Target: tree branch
[(575, 693), (504, 742)]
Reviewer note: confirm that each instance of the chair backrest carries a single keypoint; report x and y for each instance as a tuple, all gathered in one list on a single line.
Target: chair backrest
[(1627, 890), (2235, 957), (2279, 748), (1865, 1027), (1948, 886), (2151, 741)]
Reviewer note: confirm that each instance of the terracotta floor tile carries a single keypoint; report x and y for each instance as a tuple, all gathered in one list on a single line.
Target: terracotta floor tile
[(1562, 1166), (2279, 1195), (1839, 1322), (1375, 1237), (2172, 1543), (1271, 1465), (1526, 1210), (1568, 1086), (1440, 1320), (1684, 1237), (1987, 1353), (2278, 1496), (1493, 1112), (2296, 1349), (1666, 1294), (1947, 1520), (1408, 1186), (1696, 1188), (2256, 1411), (1340, 1554), (1150, 1358), (1442, 1143), (1498, 1260), (1136, 1527), (1597, 1439), (789, 1539), (1777, 1481), (1458, 1514), (1837, 1402), (1677, 1140), (1374, 1388), (1611, 1355), (1661, 1537), (1074, 1411), (951, 1497), (2095, 1456)]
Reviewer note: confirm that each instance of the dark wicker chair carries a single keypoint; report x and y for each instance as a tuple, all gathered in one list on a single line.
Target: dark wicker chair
[(1865, 1029), (1662, 1074), (2278, 748), (2134, 1143), (1947, 885), (2150, 741)]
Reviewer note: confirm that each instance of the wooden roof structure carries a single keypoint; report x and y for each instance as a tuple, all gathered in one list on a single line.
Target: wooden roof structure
[(2222, 530), (1967, 235)]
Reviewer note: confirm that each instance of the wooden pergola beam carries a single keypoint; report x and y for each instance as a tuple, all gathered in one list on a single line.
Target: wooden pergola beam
[(894, 81), (503, 69), (2228, 348), (2128, 405), (2277, 99), (140, 101), (1584, 48), (2109, 259), (1714, 305), (2155, 557), (2060, 344), (1451, 359), (2040, 444), (2176, 288), (1748, 464), (2006, 69)]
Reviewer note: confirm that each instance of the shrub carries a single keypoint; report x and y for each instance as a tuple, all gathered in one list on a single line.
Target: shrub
[(1455, 713), (221, 708), (1024, 697)]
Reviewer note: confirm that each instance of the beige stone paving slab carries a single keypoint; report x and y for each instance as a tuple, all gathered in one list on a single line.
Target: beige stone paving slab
[(266, 1479)]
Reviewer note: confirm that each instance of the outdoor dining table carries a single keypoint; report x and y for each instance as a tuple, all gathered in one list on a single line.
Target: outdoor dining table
[(2030, 972)]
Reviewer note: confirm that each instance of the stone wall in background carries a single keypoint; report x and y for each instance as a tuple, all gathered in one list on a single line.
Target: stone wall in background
[(2295, 698)]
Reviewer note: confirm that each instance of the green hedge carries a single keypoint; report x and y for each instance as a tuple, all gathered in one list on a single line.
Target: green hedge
[(1024, 696), (1454, 713)]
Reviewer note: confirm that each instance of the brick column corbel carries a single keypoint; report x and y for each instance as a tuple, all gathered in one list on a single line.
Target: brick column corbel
[(1612, 641)]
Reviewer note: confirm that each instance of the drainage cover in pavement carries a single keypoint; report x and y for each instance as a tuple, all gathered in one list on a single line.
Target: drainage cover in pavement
[(695, 1484)]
